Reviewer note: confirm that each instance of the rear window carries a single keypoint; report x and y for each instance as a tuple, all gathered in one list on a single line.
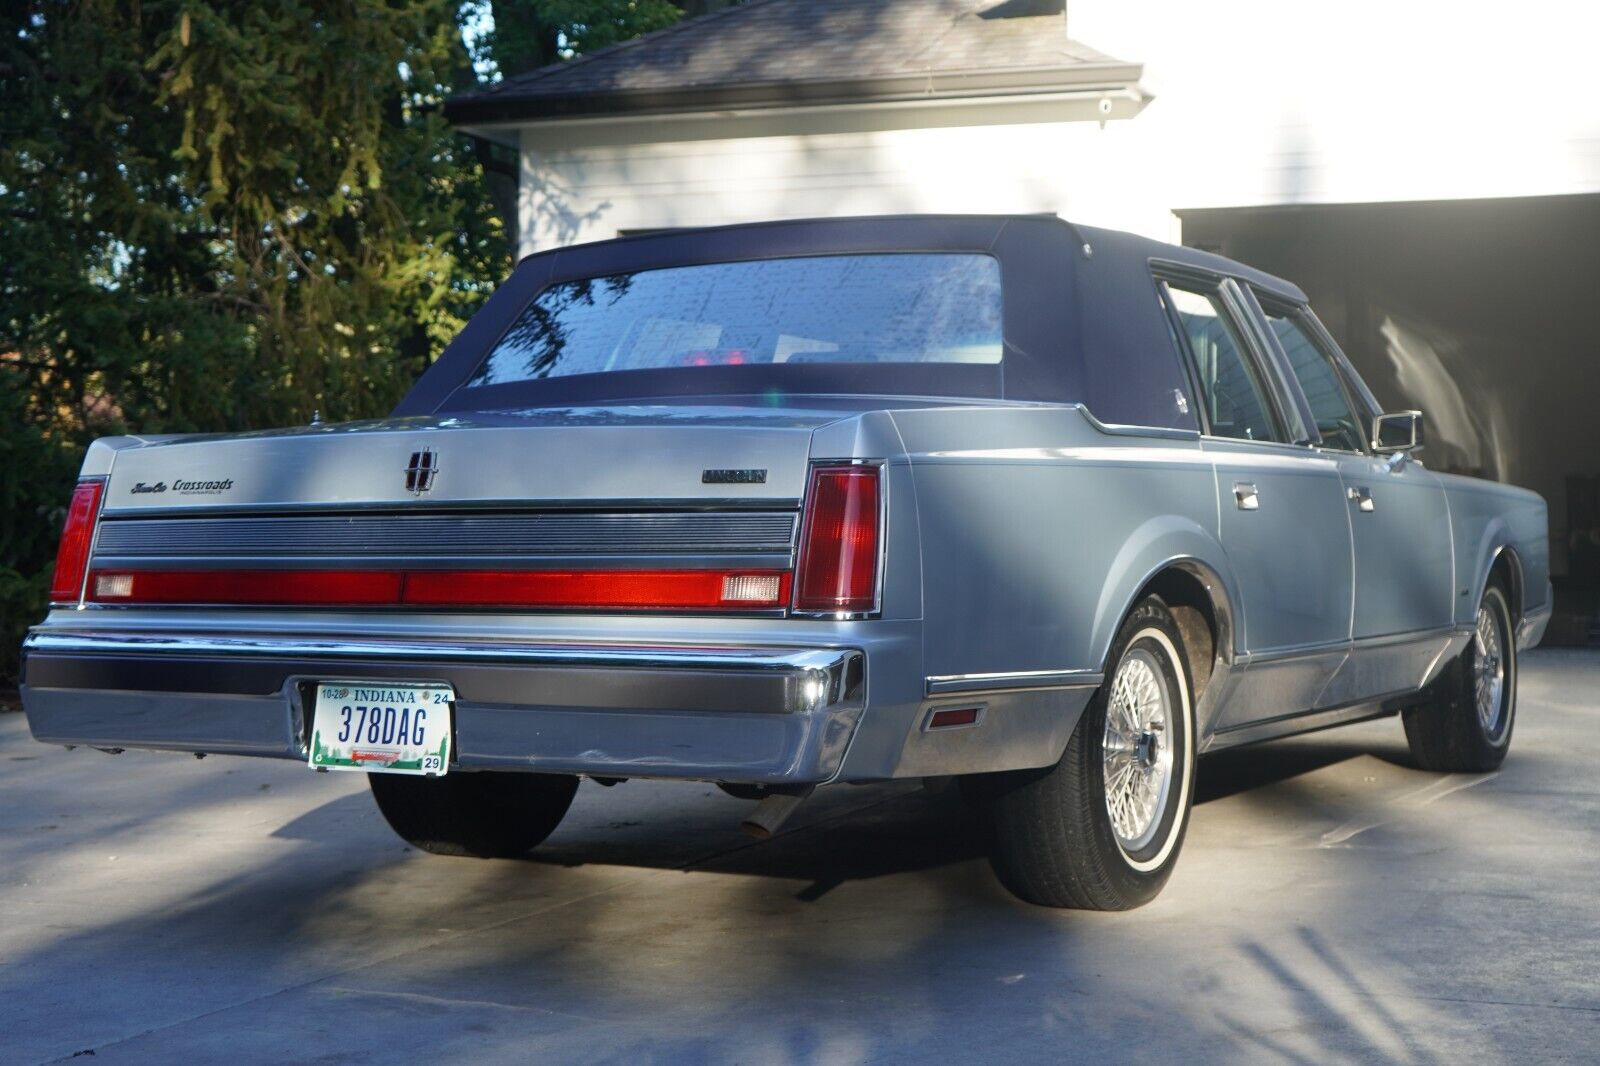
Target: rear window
[(858, 309)]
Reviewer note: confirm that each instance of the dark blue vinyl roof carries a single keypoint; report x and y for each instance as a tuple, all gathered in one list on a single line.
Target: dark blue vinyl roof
[(1081, 318)]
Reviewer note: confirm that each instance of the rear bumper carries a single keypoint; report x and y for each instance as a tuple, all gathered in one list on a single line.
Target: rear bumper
[(750, 714)]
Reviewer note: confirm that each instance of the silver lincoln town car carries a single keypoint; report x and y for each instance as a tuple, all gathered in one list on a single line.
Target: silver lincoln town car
[(1045, 508)]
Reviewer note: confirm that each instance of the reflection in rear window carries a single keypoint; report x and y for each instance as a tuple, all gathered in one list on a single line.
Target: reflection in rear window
[(900, 308)]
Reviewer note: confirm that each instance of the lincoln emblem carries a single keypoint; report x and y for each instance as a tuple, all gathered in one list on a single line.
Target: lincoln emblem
[(421, 470)]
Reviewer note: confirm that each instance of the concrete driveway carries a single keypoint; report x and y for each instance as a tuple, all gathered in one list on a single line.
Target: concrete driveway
[(1332, 904)]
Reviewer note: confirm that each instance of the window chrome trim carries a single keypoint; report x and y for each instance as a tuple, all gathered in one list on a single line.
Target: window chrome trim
[(1237, 316), (1353, 381), (1295, 411), (1119, 429), (1180, 351), (1271, 305)]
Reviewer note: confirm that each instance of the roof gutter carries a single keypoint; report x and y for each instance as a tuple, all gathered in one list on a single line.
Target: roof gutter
[(1086, 105), (506, 105)]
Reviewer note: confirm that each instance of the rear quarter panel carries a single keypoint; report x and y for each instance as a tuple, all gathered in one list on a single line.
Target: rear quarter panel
[(1038, 529)]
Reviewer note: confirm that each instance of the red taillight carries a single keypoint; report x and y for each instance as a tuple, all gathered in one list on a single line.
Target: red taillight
[(281, 588), (73, 554), (838, 571), (704, 590)]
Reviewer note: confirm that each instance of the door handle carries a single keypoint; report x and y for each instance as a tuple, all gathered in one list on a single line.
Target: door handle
[(1363, 497), (1247, 496)]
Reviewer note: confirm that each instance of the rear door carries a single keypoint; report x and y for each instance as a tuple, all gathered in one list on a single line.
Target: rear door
[(1281, 513), (1398, 513)]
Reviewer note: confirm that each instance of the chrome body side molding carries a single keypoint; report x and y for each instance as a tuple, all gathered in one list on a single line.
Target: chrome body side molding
[(1531, 627), (1014, 681), (1292, 724)]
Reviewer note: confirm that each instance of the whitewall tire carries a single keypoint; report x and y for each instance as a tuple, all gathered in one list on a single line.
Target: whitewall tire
[(1102, 828)]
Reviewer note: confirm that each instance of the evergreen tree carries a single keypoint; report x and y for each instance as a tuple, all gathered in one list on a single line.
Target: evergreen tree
[(216, 216), (220, 215), (532, 33)]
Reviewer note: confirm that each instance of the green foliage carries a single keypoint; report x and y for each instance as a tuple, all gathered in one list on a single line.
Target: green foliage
[(219, 215), (532, 33)]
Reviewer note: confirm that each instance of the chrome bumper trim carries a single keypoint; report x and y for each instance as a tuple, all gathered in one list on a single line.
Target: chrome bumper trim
[(754, 713), (633, 656), (616, 677)]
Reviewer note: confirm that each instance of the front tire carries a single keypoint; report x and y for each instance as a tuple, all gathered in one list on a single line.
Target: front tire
[(484, 815), (1102, 828), (1464, 724)]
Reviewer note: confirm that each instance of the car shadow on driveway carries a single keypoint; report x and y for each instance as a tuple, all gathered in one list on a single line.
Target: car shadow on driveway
[(844, 834), (650, 929), (1254, 766)]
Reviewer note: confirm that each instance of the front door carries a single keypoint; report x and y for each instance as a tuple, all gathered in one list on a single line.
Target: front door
[(1400, 527), (1402, 540), (1282, 519)]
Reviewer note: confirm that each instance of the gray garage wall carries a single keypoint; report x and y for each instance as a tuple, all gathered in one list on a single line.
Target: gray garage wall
[(1482, 313)]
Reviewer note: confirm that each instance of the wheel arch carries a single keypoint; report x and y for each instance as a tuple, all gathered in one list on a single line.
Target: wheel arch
[(1199, 603), (1179, 561), (1495, 555), (1506, 564)]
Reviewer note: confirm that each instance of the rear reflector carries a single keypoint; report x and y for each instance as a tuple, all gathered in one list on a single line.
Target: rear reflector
[(569, 589), (73, 554), (838, 571), (954, 717)]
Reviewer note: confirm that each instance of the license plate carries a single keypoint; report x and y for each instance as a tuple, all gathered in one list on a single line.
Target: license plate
[(382, 727)]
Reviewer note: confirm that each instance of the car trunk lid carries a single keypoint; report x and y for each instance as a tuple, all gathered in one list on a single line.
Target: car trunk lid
[(594, 457)]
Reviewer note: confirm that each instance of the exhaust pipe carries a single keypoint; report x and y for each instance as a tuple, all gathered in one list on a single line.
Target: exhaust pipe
[(773, 811)]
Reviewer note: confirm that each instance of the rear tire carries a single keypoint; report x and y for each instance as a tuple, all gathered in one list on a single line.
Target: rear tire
[(485, 815), (1464, 724), (1101, 829)]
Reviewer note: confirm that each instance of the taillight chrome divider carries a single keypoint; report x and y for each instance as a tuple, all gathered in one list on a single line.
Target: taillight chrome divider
[(70, 578), (853, 611)]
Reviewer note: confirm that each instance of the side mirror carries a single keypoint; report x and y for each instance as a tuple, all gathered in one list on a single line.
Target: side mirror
[(1398, 433)]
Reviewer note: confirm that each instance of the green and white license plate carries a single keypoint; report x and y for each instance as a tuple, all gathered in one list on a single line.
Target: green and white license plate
[(382, 727)]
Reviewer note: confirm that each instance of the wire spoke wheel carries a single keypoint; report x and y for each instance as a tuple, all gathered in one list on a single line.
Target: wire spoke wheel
[(1137, 749), (1489, 673), (1101, 829), (1463, 723)]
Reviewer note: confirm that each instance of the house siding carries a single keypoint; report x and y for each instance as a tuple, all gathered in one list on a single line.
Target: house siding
[(1266, 104), (1071, 168)]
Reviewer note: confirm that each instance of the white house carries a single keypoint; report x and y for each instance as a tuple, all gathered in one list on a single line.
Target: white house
[(1428, 172)]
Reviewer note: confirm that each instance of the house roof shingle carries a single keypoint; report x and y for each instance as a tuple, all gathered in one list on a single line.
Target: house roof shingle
[(776, 53)]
